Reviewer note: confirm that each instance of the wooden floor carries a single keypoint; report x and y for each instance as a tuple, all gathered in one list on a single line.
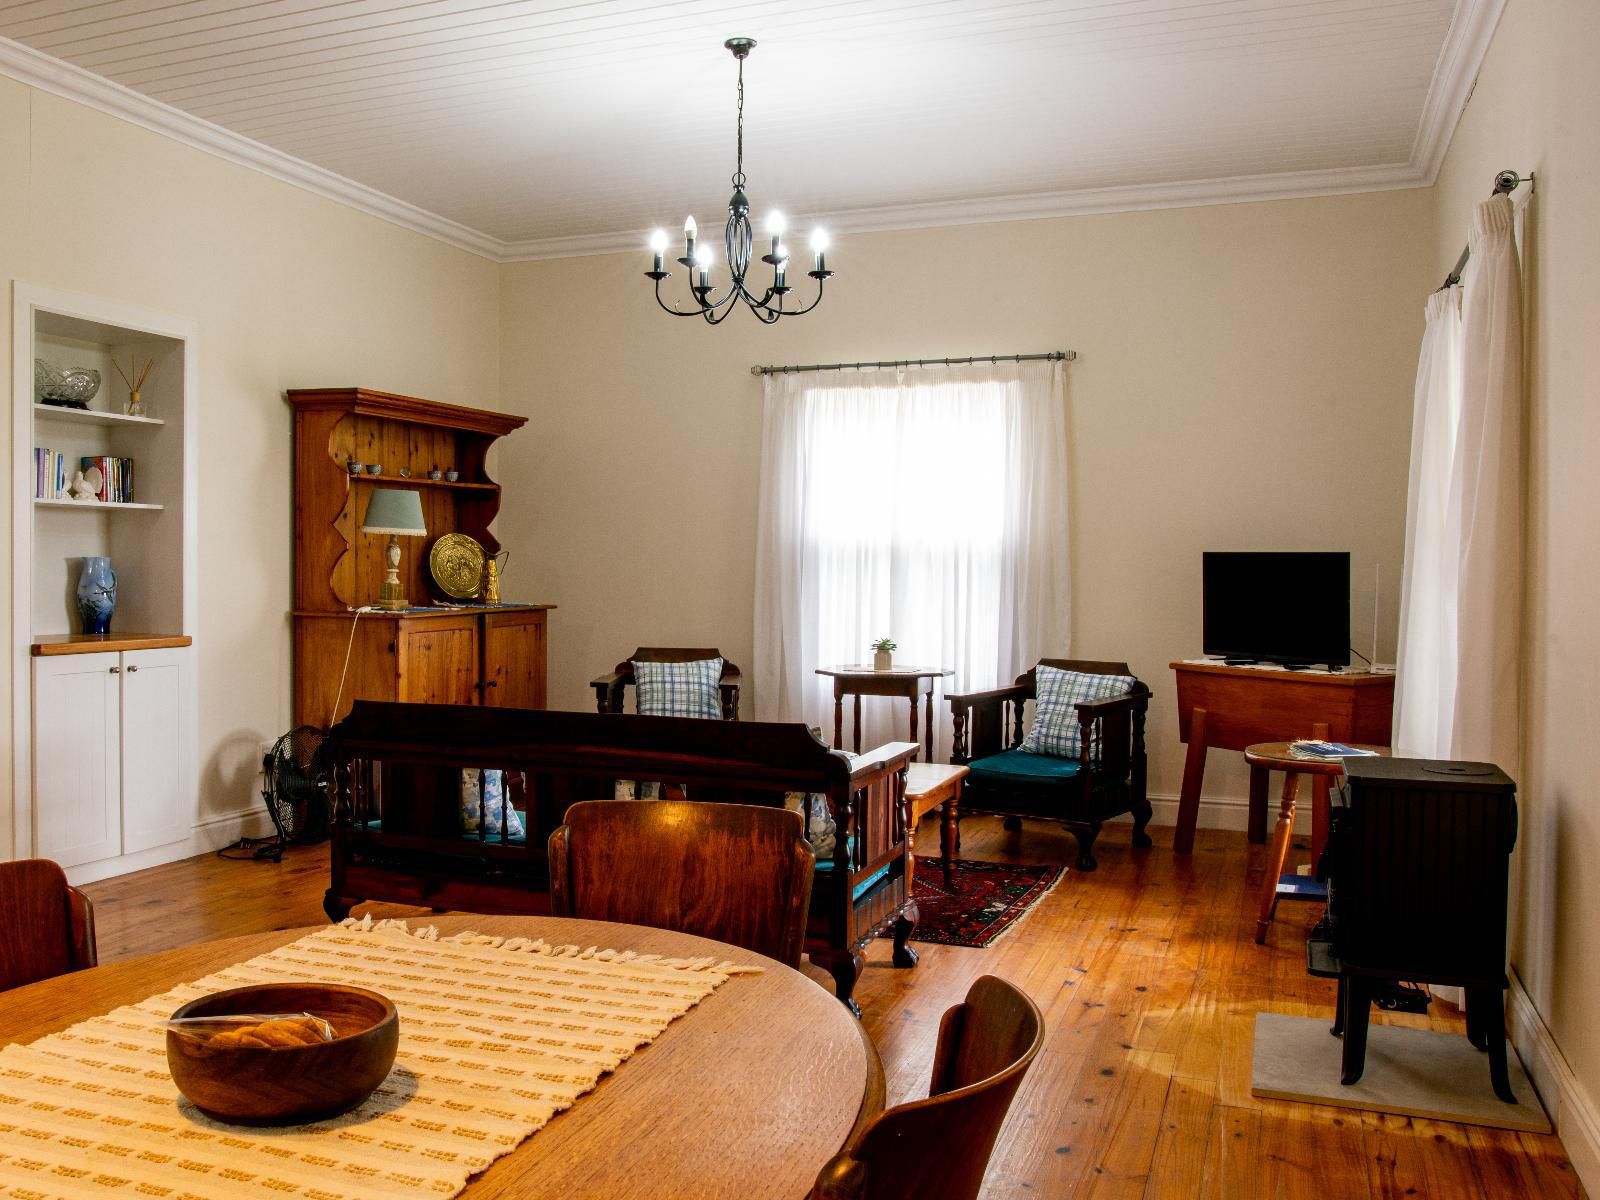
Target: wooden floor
[(1149, 981)]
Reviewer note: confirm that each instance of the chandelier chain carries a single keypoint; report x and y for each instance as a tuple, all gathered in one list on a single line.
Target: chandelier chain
[(738, 174)]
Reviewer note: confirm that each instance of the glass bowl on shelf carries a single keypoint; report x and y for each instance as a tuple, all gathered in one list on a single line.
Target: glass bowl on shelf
[(72, 387)]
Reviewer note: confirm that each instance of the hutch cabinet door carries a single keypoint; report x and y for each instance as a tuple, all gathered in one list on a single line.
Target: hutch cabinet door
[(514, 660), (438, 660), (157, 799), (77, 805)]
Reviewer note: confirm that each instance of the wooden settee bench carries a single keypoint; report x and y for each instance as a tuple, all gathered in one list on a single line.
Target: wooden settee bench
[(397, 827)]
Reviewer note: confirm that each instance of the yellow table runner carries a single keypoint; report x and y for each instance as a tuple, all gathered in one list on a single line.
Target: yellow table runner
[(496, 1037)]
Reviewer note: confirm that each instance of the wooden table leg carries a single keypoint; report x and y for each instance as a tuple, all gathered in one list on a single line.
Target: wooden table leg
[(1256, 828), (838, 716), (858, 722), (928, 714), (949, 834), (1194, 770), (1277, 854), (914, 736)]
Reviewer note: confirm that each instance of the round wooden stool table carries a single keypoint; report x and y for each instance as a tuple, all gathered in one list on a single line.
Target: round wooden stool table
[(1279, 756), (746, 1095)]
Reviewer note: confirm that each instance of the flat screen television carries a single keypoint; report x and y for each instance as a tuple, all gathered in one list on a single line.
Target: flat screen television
[(1291, 608)]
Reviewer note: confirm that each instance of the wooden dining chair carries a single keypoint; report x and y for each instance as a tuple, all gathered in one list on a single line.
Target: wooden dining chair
[(938, 1148), (738, 873), (49, 923)]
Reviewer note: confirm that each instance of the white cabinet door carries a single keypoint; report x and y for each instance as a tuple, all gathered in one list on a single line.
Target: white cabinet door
[(158, 800), (77, 811)]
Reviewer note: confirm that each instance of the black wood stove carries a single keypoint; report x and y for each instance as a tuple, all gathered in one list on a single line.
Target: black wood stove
[(1417, 864)]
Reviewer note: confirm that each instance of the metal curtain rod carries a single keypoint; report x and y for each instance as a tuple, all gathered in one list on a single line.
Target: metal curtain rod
[(1052, 356), (1504, 184)]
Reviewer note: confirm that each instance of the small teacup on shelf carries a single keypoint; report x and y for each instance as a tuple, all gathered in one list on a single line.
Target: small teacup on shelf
[(374, 468), (405, 472), (436, 474), (452, 476), (357, 467)]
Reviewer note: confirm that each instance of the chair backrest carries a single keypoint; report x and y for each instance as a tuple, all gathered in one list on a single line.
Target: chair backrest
[(49, 924), (738, 873), (609, 689), (940, 1147)]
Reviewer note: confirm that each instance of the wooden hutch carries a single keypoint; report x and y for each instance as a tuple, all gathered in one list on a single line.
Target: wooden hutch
[(433, 652)]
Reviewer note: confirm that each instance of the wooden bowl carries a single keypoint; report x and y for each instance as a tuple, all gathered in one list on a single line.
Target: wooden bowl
[(287, 1085)]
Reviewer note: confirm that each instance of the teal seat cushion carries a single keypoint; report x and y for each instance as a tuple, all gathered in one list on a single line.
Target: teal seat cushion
[(1018, 766), (825, 867)]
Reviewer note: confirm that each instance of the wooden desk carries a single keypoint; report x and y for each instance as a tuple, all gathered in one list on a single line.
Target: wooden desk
[(937, 785), (859, 681), (749, 1094), (1233, 707)]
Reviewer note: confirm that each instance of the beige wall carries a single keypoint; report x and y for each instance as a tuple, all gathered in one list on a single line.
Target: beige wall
[(1245, 382), (289, 291), (1536, 108)]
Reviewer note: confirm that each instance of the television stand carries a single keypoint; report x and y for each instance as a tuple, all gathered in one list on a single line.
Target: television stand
[(1228, 708)]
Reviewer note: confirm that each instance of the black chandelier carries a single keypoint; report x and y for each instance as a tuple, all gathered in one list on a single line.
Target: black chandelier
[(740, 242)]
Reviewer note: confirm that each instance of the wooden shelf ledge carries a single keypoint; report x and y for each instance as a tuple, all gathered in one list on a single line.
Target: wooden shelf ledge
[(53, 644)]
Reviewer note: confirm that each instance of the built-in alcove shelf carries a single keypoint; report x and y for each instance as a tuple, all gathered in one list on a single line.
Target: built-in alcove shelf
[(106, 643), (105, 766), (90, 416), (97, 505), (412, 481)]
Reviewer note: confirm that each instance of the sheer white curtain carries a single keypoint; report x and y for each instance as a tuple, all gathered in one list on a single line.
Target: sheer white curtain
[(929, 506), (1457, 694)]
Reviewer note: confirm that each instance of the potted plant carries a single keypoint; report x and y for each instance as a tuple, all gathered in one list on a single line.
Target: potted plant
[(883, 654)]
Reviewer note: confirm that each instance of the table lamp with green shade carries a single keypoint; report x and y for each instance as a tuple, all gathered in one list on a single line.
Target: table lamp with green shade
[(399, 514)]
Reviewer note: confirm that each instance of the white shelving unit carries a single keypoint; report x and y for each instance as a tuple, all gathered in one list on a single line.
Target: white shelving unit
[(105, 739)]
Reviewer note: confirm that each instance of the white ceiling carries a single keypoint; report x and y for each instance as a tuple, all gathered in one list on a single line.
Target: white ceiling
[(544, 126)]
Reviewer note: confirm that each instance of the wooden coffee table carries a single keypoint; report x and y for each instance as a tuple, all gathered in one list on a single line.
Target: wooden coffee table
[(937, 785)]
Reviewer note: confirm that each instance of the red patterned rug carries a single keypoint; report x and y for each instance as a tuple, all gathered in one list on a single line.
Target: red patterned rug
[(985, 901)]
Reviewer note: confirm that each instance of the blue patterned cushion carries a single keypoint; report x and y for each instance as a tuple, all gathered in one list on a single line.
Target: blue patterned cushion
[(1055, 715), (493, 791), (679, 689)]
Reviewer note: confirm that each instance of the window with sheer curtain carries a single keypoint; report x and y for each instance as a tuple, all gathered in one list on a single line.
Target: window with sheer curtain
[(928, 506)]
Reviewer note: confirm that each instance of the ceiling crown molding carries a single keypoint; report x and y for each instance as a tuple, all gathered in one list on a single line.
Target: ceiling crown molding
[(1460, 59), (30, 66)]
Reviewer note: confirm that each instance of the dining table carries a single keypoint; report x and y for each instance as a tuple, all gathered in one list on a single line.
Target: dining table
[(748, 1094)]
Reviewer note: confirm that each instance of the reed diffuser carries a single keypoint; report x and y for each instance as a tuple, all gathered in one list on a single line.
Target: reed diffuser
[(134, 378)]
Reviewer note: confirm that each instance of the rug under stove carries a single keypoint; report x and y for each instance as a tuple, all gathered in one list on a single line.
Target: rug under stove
[(986, 899)]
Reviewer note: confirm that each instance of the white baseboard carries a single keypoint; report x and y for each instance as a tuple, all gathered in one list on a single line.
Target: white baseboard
[(1571, 1108), (209, 835), (1221, 812)]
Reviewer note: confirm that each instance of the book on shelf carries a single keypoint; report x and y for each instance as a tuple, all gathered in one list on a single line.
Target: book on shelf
[(116, 477), (51, 480)]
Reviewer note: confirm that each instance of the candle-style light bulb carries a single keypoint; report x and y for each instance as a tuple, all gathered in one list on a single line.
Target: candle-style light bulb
[(775, 226), (819, 246), (781, 253), (689, 226), (703, 259), (658, 244), (688, 237)]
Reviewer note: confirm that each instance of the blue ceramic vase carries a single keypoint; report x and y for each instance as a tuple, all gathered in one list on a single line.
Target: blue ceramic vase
[(97, 595)]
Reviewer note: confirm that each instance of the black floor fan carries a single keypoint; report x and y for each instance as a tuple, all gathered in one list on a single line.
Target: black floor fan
[(297, 786)]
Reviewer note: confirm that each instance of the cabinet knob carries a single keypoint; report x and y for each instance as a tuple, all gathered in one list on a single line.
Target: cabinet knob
[(115, 670), (492, 683), (131, 670)]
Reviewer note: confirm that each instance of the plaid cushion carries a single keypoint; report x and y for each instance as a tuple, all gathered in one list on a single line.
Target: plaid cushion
[(1055, 715), (679, 689)]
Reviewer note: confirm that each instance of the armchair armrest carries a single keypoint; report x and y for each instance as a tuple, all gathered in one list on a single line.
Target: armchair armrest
[(891, 756), (607, 687), (978, 724), (1095, 709)]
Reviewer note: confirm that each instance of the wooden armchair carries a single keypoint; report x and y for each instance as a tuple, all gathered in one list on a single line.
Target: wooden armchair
[(941, 1146), (50, 924), (733, 872), (610, 688), (1105, 780)]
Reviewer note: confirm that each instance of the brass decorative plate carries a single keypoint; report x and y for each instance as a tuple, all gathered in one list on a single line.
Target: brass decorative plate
[(456, 562)]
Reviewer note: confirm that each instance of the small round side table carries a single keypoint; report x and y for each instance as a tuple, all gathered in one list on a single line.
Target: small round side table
[(1279, 756)]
